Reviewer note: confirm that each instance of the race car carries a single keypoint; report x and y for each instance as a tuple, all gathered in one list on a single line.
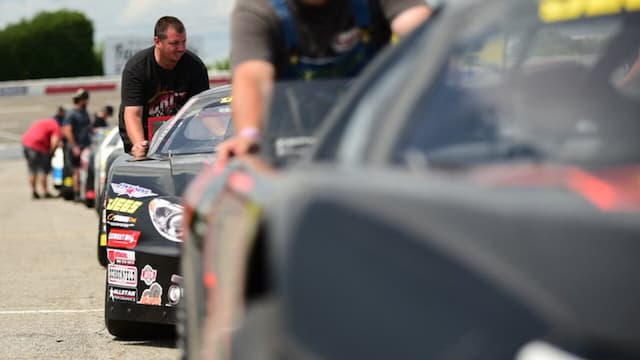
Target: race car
[(142, 213), (474, 196), (112, 143)]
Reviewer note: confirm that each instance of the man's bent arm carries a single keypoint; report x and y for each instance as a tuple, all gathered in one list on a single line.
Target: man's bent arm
[(133, 123), (409, 19), (251, 88)]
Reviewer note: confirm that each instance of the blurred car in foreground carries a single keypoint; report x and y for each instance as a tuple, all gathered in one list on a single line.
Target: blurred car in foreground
[(143, 216), (474, 196)]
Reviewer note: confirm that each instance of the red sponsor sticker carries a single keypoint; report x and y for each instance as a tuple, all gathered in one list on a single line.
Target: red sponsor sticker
[(124, 239), (122, 257)]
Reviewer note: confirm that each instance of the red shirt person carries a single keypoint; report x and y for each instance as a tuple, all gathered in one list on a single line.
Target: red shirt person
[(38, 143)]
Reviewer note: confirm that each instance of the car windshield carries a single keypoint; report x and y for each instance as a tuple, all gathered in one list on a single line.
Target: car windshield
[(198, 130), (532, 85)]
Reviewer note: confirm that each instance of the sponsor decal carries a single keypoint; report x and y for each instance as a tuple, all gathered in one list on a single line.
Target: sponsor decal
[(121, 221), (132, 191), (121, 218), (103, 239), (123, 239), (122, 257), (123, 205), (175, 292), (148, 275), (120, 225), (152, 295), (122, 275), (117, 294)]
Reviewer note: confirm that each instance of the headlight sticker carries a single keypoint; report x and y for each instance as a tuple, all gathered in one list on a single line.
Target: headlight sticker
[(166, 218)]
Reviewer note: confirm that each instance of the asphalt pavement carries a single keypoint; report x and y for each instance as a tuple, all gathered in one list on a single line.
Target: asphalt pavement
[(52, 287)]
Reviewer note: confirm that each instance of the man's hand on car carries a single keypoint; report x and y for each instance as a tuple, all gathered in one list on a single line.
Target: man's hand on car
[(139, 149)]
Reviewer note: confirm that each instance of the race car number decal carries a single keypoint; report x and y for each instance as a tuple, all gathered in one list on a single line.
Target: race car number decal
[(127, 206), (121, 275), (563, 10)]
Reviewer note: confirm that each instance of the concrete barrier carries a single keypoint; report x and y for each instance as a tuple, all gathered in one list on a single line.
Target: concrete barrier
[(70, 85)]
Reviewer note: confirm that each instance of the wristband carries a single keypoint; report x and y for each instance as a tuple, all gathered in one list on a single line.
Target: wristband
[(250, 133)]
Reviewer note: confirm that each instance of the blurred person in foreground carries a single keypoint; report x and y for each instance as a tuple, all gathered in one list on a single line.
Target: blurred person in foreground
[(76, 129), (304, 39), (101, 118), (39, 142), (157, 82)]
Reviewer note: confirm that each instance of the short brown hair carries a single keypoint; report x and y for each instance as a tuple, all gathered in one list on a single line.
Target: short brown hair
[(163, 24)]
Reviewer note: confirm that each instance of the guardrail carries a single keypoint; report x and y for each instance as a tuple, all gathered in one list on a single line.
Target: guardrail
[(92, 83)]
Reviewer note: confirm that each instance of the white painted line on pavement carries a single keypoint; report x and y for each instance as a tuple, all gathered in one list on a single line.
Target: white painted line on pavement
[(32, 312), (21, 109), (10, 135)]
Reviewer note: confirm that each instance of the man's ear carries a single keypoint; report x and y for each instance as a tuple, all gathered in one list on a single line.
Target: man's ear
[(156, 40)]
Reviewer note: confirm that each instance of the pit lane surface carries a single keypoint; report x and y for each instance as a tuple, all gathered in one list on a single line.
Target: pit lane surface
[(52, 288)]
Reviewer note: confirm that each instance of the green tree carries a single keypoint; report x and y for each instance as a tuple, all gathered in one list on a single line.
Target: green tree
[(52, 44)]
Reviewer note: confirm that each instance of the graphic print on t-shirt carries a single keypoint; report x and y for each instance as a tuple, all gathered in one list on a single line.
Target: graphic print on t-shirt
[(166, 103)]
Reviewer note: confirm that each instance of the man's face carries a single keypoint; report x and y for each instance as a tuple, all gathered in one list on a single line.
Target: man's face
[(173, 46)]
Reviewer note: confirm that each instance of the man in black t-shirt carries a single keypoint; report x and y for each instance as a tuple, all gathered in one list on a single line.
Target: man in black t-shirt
[(157, 82), (305, 39)]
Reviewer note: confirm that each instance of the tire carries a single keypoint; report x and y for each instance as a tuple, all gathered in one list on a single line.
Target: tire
[(192, 312)]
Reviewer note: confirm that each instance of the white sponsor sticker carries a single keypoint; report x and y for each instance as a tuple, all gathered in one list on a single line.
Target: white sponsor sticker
[(148, 275), (122, 275), (123, 294), (132, 191), (121, 257)]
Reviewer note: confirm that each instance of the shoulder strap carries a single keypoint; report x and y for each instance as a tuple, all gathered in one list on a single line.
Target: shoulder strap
[(288, 25), (360, 10)]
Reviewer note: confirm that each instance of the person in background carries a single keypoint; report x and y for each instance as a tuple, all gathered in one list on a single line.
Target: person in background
[(39, 142), (77, 132), (59, 115), (157, 82), (304, 39), (100, 118)]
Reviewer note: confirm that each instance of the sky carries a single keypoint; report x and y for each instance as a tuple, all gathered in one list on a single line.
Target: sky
[(209, 19)]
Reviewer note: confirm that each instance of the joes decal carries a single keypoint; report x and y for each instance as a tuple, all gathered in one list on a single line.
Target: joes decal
[(123, 205), (123, 239), (121, 257), (148, 275), (152, 295), (132, 191), (117, 294), (122, 275)]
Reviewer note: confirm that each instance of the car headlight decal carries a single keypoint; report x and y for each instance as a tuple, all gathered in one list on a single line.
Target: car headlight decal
[(166, 217)]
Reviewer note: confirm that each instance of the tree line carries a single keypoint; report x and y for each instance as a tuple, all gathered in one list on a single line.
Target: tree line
[(50, 45)]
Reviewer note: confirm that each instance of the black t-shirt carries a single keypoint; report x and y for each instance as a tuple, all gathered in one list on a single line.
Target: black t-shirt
[(160, 92), (80, 126), (257, 34)]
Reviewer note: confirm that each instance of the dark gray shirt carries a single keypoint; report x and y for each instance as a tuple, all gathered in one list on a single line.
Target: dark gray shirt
[(80, 126), (256, 31)]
